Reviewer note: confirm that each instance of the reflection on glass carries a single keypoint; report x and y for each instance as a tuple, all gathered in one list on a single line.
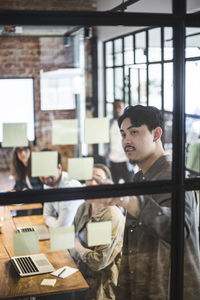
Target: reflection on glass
[(155, 85), (138, 85), (118, 52), (154, 44), (109, 85), (192, 87), (168, 43), (168, 86), (192, 42), (109, 54), (118, 83), (140, 47), (128, 49)]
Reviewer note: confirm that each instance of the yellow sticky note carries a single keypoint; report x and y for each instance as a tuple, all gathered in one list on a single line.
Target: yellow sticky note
[(65, 132), (44, 163), (96, 130), (62, 238), (26, 243), (15, 135), (80, 168), (48, 282), (99, 233)]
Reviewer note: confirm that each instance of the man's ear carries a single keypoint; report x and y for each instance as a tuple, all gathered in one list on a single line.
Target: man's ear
[(157, 133)]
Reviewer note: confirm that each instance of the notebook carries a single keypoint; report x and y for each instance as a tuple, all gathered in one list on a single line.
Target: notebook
[(34, 264), (42, 231)]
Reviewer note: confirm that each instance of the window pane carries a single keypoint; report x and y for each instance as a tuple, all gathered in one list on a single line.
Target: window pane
[(109, 85), (154, 44), (109, 54), (168, 86), (128, 49), (118, 52), (140, 47), (192, 42), (192, 87), (155, 85), (119, 83), (17, 104), (192, 157), (168, 43)]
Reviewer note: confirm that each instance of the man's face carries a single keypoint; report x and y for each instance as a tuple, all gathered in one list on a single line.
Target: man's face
[(52, 181), (138, 142), (118, 108)]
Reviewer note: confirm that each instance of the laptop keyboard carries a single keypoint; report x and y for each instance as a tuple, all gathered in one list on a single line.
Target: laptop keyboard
[(26, 264), (27, 229)]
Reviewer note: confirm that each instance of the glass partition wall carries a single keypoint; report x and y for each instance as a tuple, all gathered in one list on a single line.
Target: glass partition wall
[(139, 76)]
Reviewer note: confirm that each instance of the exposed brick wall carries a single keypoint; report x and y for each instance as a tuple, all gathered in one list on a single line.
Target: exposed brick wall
[(48, 4), (25, 57)]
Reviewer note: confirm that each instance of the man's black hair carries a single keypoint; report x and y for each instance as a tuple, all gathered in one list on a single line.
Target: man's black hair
[(140, 115)]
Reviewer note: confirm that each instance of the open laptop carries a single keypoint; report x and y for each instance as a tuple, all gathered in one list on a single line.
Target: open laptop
[(34, 264), (42, 231)]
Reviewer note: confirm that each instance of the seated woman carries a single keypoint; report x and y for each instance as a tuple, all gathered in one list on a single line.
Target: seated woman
[(98, 264), (21, 170)]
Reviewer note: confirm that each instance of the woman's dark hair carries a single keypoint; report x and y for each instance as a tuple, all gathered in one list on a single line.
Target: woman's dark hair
[(18, 169), (105, 169), (140, 115)]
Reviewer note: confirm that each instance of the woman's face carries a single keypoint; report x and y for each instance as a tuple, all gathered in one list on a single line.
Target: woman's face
[(23, 155), (97, 172)]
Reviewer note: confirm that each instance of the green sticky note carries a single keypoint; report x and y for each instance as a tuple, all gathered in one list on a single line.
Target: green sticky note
[(26, 243), (80, 168), (62, 238), (99, 233), (65, 132), (44, 163), (96, 130), (15, 135)]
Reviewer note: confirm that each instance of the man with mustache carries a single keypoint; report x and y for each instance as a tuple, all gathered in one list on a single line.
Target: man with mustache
[(145, 267)]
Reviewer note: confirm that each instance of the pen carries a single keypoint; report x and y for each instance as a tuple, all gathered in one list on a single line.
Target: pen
[(63, 270)]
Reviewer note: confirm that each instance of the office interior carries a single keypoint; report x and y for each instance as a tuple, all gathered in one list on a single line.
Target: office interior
[(70, 65)]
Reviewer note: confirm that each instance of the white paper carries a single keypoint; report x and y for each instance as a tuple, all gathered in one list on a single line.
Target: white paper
[(62, 237), (15, 135), (80, 168), (66, 271), (65, 132), (48, 282), (44, 163), (99, 233), (96, 130)]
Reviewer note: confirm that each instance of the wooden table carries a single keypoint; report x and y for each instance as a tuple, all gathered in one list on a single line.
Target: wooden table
[(13, 286)]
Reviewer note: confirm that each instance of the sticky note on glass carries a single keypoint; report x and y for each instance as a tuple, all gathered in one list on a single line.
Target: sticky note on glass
[(96, 130), (99, 233), (65, 132), (48, 282), (15, 135), (26, 243), (62, 238), (44, 163), (80, 168)]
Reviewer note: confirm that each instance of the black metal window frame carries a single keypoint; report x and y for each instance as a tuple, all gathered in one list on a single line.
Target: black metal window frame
[(178, 19)]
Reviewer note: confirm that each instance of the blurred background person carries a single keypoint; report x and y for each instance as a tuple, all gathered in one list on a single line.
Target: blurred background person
[(60, 213), (121, 169), (99, 264), (21, 170)]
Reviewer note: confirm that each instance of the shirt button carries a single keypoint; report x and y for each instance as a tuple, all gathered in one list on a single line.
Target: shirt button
[(140, 223), (130, 251), (131, 230), (159, 213)]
